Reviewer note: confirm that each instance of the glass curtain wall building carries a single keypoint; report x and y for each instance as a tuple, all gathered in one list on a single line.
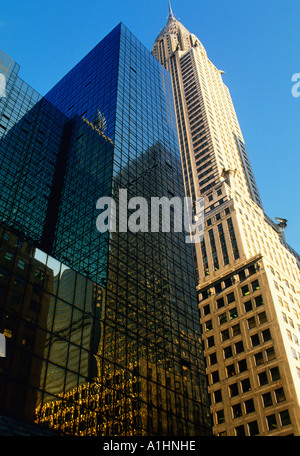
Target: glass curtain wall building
[(102, 329)]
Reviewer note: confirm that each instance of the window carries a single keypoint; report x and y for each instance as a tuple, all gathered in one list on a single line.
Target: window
[(246, 385), (230, 370), (236, 330), (245, 290), (233, 313), (258, 301), (20, 281), (222, 318), (253, 428), (215, 376), (205, 294), (206, 310), (210, 341), (225, 335), (267, 399), (218, 287), (262, 317), (212, 359), (19, 243), (294, 353), (263, 379), (242, 365), (251, 270), (266, 335), (272, 423), (230, 298), (285, 417), (220, 417), (259, 359), (255, 340), (9, 256), (236, 410), (249, 406), (218, 396), (240, 431), (227, 352), (275, 374), (233, 390), (251, 322), (21, 264), (239, 347), (280, 396), (4, 273), (289, 334), (208, 325), (270, 353), (220, 303), (255, 285), (248, 306), (242, 275)]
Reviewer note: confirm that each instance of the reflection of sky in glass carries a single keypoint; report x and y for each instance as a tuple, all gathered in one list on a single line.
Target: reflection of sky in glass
[(40, 256), (56, 266)]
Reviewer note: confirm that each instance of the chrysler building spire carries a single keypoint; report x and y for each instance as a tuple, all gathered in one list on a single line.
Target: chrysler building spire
[(171, 15)]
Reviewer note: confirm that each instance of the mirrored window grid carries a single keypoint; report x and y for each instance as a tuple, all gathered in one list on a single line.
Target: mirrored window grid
[(103, 332)]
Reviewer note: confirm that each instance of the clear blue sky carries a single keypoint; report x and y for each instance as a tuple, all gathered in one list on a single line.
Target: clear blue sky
[(256, 42)]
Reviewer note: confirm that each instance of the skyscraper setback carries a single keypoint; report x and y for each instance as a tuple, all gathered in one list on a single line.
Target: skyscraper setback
[(247, 275), (103, 332)]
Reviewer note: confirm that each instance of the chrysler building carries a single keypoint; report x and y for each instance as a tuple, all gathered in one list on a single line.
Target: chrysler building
[(247, 274)]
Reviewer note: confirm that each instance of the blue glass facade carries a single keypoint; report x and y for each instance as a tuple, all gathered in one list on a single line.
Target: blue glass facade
[(103, 330)]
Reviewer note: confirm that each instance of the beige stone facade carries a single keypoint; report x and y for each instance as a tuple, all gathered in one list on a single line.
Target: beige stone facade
[(248, 276)]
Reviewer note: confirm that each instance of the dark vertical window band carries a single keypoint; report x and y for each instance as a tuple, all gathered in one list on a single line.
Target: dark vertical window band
[(233, 239), (213, 250), (51, 218), (204, 257), (223, 244)]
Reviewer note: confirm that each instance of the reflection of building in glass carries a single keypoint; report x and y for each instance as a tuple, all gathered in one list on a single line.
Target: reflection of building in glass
[(25, 285), (120, 350), (69, 331), (248, 276)]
